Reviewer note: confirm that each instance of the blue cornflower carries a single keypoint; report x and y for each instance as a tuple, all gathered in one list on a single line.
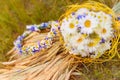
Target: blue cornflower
[(102, 40), (58, 27), (73, 13), (54, 32), (53, 29), (19, 46), (118, 18), (17, 42), (34, 50), (32, 28), (44, 25), (40, 47), (20, 51), (20, 38), (79, 17)]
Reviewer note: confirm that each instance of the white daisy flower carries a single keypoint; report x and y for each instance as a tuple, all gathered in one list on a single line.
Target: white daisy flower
[(69, 26), (101, 49), (68, 29), (105, 29), (67, 38), (88, 24), (104, 18), (78, 41), (105, 32), (91, 45)]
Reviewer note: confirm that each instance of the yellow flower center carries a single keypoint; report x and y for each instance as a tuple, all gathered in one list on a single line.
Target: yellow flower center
[(104, 30), (105, 17), (87, 23), (94, 35), (101, 20), (99, 17), (91, 44), (77, 22), (80, 40), (71, 25)]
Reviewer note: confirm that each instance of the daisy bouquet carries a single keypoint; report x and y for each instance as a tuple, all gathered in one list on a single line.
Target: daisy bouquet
[(89, 32)]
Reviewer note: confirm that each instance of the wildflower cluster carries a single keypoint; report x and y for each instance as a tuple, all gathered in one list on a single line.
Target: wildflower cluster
[(87, 33), (45, 43)]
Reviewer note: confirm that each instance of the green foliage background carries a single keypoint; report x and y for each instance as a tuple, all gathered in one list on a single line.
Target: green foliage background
[(16, 14)]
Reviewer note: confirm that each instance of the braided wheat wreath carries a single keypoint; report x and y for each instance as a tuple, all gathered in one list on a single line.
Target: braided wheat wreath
[(86, 33)]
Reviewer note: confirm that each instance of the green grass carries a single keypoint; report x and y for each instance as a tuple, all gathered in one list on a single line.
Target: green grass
[(16, 14)]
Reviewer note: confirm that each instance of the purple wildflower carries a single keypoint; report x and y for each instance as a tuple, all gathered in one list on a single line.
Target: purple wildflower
[(34, 50), (44, 45), (73, 13), (79, 17), (102, 40), (32, 28), (19, 46), (118, 18), (58, 27), (44, 25), (40, 47), (20, 51), (20, 38)]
